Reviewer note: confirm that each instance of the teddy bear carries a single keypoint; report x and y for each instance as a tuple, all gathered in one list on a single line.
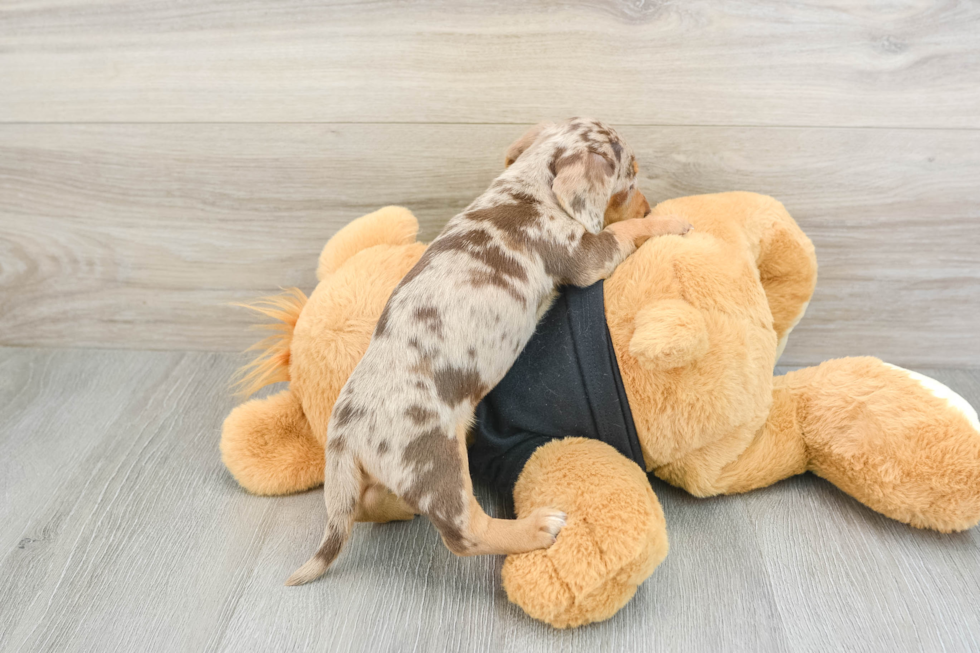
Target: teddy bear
[(679, 384)]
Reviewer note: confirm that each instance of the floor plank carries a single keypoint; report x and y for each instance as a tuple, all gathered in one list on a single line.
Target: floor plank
[(120, 556), (143, 542), (747, 62), (57, 407), (140, 235)]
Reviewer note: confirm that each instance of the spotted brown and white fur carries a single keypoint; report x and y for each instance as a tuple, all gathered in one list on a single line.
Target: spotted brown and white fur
[(565, 211)]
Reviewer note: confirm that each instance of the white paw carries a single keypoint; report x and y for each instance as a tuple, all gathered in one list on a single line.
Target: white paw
[(937, 389), (553, 522)]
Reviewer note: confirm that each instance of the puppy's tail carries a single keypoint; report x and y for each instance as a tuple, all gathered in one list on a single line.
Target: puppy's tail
[(340, 494), (272, 364)]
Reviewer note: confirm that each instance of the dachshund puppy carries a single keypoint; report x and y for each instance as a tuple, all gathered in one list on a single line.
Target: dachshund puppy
[(455, 325)]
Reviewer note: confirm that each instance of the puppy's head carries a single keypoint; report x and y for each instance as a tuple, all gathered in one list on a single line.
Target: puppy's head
[(591, 169)]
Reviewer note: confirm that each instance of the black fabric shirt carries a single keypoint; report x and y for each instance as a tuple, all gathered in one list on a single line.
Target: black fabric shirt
[(566, 383)]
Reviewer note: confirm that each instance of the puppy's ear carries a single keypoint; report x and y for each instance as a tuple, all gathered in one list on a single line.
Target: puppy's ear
[(583, 186), (517, 147)]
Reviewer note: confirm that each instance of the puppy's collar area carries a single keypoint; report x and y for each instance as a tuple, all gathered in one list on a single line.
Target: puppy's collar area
[(566, 383)]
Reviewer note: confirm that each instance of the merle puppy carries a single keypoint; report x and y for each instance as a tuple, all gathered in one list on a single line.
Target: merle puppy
[(565, 211)]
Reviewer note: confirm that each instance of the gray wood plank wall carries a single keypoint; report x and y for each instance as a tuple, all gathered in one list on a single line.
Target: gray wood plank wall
[(161, 159)]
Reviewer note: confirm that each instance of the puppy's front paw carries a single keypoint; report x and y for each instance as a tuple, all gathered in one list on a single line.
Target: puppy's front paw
[(669, 225)]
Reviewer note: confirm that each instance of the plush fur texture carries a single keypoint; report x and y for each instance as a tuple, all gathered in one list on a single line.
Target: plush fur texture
[(272, 364), (696, 323)]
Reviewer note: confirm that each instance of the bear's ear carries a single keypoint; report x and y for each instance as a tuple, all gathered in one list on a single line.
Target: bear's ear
[(787, 269), (391, 225), (668, 333)]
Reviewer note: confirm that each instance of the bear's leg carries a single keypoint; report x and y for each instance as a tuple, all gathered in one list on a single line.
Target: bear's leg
[(901, 443), (268, 446), (615, 535)]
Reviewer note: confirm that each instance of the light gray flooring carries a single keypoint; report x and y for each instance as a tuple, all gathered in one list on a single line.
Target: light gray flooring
[(121, 531)]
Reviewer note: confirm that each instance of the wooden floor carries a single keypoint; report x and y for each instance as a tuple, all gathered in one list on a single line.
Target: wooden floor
[(123, 532)]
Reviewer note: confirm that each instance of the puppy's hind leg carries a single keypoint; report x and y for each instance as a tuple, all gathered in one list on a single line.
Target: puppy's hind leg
[(340, 494), (467, 530)]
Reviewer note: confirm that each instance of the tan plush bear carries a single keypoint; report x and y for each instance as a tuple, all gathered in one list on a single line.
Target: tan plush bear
[(696, 325)]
